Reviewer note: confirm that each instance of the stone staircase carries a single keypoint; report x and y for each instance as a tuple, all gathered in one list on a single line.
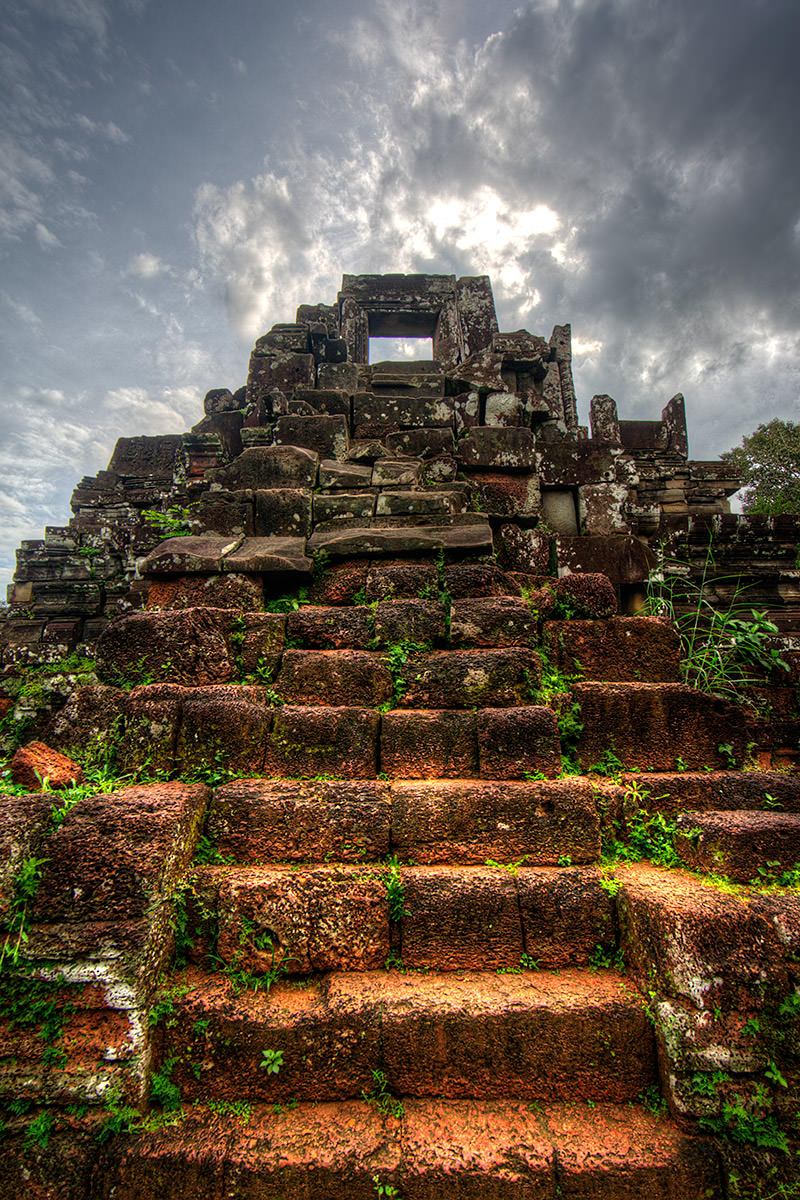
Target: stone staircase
[(387, 959)]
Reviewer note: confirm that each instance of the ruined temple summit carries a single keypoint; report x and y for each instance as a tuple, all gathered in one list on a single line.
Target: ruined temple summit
[(408, 864)]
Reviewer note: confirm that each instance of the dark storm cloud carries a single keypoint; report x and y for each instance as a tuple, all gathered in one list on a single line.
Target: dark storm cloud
[(627, 165)]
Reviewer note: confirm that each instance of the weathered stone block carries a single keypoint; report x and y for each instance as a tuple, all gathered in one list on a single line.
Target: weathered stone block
[(343, 475), (189, 555), (617, 649), (524, 549), (468, 579), (152, 720), (283, 512), (420, 621), (420, 744), (244, 592), (331, 628), (332, 402), (501, 449), (257, 643), (37, 765), (463, 821), (140, 456), (309, 741), (746, 846), (514, 743), (418, 504), (401, 472), (471, 678), (270, 555), (652, 725), (460, 919), (261, 467), (337, 677), (340, 506), (285, 370), (505, 495), (278, 820), (324, 919), (227, 514), (188, 646), (493, 621), (421, 443), (225, 727), (327, 436), (586, 595), (219, 400), (114, 853), (339, 583), (402, 580), (504, 409)]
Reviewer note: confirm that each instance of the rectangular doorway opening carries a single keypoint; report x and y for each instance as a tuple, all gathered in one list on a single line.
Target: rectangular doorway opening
[(400, 349)]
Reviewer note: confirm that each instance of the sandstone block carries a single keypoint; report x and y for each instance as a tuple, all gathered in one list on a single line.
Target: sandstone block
[(335, 677), (420, 744), (651, 725), (525, 550), (225, 727), (471, 678), (516, 742), (492, 621), (327, 436), (226, 514), (504, 409), (330, 628), (262, 467), (283, 556), (421, 443), (345, 475), (338, 506), (389, 472), (219, 400), (283, 370), (189, 555), (310, 741), (616, 649), (412, 504), (258, 820), (501, 449), (37, 763), (282, 512)]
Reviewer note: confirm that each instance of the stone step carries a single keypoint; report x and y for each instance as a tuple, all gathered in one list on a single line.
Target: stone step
[(719, 967), (386, 622), (477, 1149), (744, 845), (348, 917), (657, 727), (542, 1036), (506, 677), (619, 649), (456, 821), (453, 539), (699, 791)]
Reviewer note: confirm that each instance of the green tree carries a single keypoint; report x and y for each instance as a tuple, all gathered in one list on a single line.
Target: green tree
[(769, 464)]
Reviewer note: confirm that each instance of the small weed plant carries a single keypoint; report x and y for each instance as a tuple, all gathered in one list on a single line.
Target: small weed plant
[(381, 1099), (726, 647)]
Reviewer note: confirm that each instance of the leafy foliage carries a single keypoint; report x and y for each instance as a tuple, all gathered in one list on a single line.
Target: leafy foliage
[(769, 464)]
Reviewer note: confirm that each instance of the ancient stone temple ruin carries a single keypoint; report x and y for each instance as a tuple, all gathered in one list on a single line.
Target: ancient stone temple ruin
[(408, 864)]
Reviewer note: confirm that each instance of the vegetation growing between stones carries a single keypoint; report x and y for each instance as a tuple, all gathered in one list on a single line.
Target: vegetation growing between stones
[(725, 650)]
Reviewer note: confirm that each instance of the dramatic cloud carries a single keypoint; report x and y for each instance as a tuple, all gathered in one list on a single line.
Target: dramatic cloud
[(168, 189)]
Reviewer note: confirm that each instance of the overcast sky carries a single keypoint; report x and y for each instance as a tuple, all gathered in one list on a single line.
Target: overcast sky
[(176, 176)]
